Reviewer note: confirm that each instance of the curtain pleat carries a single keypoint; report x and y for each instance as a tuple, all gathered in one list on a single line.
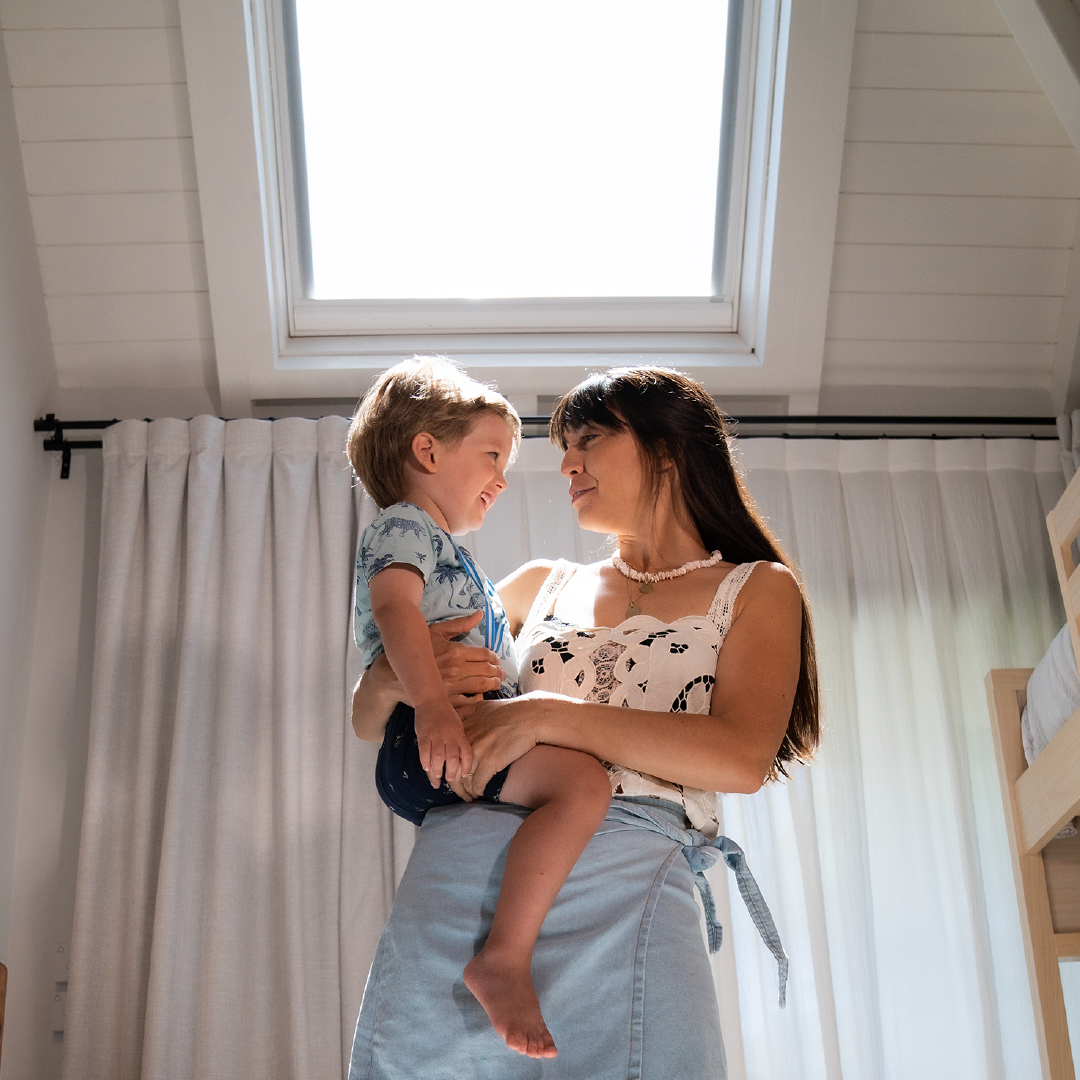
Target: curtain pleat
[(926, 563), (236, 864), (229, 838)]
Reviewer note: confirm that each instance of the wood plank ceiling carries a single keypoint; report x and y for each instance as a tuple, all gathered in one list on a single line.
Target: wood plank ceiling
[(101, 104), (958, 205), (957, 214)]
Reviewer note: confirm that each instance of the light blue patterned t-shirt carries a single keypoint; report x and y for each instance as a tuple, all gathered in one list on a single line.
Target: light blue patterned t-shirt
[(453, 584)]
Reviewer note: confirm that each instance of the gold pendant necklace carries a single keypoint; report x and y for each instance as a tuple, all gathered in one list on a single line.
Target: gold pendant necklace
[(635, 607)]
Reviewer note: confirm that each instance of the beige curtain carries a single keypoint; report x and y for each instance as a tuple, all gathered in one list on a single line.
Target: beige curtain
[(235, 865)]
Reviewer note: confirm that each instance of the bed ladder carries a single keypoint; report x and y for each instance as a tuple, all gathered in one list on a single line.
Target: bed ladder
[(1039, 800)]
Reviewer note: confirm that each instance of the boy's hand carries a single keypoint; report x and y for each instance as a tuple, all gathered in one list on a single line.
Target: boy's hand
[(440, 736)]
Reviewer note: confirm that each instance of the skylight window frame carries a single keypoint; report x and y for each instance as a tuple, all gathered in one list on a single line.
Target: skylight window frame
[(716, 329)]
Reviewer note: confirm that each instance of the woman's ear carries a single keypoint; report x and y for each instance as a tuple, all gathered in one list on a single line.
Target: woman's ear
[(423, 452)]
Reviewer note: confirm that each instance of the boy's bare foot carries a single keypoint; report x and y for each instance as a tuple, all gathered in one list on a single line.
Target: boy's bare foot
[(506, 992)]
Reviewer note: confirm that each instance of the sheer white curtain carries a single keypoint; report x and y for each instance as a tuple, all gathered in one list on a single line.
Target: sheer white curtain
[(236, 866), (886, 862), (926, 564)]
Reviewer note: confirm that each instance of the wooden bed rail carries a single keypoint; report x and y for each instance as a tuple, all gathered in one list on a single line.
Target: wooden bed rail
[(1048, 791), (1063, 525)]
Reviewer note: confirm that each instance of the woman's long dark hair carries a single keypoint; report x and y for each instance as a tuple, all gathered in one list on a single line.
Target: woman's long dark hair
[(675, 421)]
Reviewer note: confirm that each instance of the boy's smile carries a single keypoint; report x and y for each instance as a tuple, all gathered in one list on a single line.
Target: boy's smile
[(458, 483)]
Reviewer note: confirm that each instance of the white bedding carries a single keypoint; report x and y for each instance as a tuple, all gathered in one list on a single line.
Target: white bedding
[(1053, 695)]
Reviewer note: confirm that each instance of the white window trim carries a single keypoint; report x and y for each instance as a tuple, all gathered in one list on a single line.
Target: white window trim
[(598, 316), (791, 182), (603, 318), (608, 315)]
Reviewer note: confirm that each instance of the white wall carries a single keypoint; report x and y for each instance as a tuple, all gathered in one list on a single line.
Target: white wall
[(53, 766), (26, 377), (44, 677)]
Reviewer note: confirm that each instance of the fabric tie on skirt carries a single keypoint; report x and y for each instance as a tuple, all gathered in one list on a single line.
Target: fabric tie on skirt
[(702, 853)]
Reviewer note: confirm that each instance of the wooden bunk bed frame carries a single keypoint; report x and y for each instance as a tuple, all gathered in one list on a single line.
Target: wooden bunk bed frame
[(1039, 800)]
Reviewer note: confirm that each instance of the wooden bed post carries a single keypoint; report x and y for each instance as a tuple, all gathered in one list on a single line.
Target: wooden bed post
[(1006, 692), (1063, 525)]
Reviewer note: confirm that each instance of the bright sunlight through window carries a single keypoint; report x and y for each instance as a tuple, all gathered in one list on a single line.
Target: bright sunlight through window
[(496, 148)]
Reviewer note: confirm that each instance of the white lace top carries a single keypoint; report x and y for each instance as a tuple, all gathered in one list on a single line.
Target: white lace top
[(642, 663)]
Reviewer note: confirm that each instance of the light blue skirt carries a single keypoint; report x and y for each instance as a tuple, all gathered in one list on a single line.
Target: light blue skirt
[(620, 967)]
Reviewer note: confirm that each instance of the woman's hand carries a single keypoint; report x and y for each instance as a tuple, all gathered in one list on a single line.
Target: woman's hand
[(468, 672), (502, 731)]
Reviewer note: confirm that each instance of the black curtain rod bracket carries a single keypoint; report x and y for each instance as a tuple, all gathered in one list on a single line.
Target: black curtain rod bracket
[(65, 446)]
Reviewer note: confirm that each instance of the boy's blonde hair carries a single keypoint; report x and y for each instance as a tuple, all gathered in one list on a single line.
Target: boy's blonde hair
[(426, 393)]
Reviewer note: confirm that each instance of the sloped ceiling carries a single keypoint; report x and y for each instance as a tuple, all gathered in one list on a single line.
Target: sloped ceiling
[(958, 206), (101, 103), (957, 211)]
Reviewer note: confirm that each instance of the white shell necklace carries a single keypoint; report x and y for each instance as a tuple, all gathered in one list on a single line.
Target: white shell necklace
[(648, 580)]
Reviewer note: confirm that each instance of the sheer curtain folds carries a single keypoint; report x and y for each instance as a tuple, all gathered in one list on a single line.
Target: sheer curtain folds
[(886, 862), (233, 864), (236, 865)]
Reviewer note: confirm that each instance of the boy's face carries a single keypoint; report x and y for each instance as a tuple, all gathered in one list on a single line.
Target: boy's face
[(469, 476)]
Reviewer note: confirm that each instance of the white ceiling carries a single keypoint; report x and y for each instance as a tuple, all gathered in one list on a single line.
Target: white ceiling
[(955, 243)]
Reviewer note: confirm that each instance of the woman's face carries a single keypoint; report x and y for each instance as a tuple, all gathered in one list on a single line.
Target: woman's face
[(607, 478)]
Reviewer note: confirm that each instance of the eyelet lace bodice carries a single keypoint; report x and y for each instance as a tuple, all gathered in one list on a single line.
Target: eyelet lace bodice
[(642, 663)]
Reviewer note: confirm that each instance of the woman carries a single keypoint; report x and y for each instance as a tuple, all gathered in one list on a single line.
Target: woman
[(698, 629)]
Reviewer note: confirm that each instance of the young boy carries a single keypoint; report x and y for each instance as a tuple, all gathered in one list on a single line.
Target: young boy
[(430, 445)]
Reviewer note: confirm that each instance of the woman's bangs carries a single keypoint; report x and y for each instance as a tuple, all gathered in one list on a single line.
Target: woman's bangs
[(585, 404)]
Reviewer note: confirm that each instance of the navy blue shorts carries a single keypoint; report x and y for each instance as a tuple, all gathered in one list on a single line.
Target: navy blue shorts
[(400, 778)]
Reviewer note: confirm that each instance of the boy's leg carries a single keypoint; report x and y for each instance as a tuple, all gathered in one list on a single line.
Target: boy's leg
[(569, 792)]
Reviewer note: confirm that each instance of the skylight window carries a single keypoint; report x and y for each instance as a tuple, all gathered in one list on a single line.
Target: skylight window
[(495, 149)]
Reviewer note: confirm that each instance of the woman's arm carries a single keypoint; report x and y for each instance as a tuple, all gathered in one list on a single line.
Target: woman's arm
[(729, 749), (376, 693), (467, 671)]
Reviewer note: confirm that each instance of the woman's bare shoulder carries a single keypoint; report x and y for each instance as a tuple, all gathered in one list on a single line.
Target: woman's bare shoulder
[(535, 571), (518, 590), (770, 583), (773, 575)]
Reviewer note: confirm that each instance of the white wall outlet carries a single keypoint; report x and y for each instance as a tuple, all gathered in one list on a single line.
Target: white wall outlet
[(59, 1010), (62, 962)]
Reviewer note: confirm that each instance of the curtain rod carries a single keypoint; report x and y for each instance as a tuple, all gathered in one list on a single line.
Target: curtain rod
[(65, 446), (895, 421)]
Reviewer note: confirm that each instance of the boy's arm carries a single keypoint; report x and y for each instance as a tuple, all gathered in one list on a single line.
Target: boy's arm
[(467, 671), (396, 593)]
